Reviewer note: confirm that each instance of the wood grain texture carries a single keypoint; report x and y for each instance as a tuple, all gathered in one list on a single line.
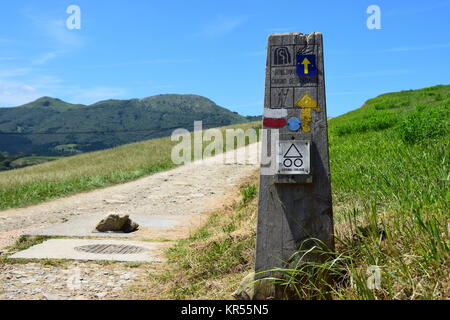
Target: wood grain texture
[(295, 209)]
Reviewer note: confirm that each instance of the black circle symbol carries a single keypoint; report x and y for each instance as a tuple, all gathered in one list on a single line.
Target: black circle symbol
[(286, 161), (298, 163)]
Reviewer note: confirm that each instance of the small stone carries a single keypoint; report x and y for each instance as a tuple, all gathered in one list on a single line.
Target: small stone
[(101, 295), (117, 223), (114, 201), (28, 281), (125, 276)]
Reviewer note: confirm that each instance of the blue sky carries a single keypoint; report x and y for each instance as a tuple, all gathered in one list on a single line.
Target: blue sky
[(135, 49)]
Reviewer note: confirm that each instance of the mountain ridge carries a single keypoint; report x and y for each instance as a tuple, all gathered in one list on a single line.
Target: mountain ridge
[(51, 127)]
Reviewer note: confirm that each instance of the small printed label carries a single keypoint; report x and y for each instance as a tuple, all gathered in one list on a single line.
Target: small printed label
[(294, 157)]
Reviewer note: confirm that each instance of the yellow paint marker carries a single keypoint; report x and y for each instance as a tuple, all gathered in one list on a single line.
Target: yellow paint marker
[(306, 104), (306, 64)]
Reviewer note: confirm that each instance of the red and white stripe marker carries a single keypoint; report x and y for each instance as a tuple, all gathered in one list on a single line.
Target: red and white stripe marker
[(274, 118)]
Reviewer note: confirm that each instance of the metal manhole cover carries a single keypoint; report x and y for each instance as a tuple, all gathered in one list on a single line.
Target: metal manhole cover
[(110, 249)]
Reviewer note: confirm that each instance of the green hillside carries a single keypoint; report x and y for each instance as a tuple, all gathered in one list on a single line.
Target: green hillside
[(60, 128), (390, 166), (49, 103), (9, 162), (87, 171), (390, 163)]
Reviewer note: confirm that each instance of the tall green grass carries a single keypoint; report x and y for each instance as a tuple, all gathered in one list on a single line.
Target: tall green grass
[(84, 172), (390, 177)]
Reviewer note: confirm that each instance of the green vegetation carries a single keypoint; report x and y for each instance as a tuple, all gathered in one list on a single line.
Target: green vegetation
[(391, 199), (248, 193), (88, 171), (425, 123), (391, 195), (8, 162), (50, 103), (73, 128), (418, 114), (26, 161)]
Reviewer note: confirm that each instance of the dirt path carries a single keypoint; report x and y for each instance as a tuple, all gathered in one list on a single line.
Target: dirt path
[(186, 190), (189, 190)]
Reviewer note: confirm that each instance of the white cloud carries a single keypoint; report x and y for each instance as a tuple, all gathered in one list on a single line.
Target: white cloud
[(12, 73), (92, 95), (55, 35), (56, 30), (222, 26), (43, 58), (14, 93), (23, 85)]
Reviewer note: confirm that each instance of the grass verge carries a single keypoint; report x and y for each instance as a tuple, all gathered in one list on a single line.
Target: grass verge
[(211, 262)]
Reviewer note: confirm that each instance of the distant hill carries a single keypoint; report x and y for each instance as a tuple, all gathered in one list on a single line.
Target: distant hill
[(50, 126)]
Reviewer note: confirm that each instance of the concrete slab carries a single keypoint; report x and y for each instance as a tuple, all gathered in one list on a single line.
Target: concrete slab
[(84, 226), (86, 249)]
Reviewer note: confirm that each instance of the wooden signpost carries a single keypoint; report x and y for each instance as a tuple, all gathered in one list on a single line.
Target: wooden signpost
[(295, 191)]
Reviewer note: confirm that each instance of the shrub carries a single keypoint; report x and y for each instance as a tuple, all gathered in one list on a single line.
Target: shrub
[(390, 104), (375, 122), (248, 193), (425, 123)]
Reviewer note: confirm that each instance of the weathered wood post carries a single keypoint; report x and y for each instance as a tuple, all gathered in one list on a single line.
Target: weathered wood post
[(295, 191)]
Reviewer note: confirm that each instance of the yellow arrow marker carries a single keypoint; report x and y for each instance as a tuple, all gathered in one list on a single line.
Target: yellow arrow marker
[(306, 64), (306, 104)]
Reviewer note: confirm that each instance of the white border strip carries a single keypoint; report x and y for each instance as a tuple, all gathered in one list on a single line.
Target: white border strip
[(275, 113)]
